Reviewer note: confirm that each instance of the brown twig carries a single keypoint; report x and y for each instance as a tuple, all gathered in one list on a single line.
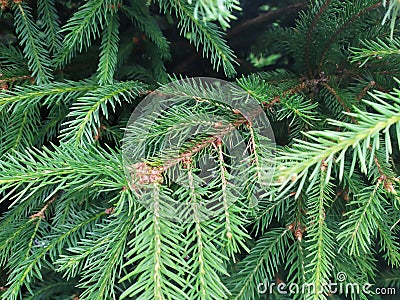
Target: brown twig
[(365, 90), (40, 214), (267, 17), (294, 90), (16, 78), (339, 99)]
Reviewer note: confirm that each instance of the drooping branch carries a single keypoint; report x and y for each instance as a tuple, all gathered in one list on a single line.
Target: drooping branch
[(342, 28), (309, 35)]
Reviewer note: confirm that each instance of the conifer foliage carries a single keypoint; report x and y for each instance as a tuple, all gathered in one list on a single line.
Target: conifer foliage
[(72, 225)]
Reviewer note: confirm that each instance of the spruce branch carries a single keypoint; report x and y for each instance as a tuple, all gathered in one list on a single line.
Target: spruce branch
[(84, 116), (54, 286), (339, 99), (392, 13), (379, 49), (140, 15), (319, 243), (108, 50), (321, 6), (106, 249), (206, 35), (27, 268), (83, 26), (204, 256), (41, 213), (110, 232), (34, 47), (21, 128), (51, 92), (388, 240), (220, 11), (51, 24), (265, 18), (11, 58), (390, 278), (358, 136), (63, 168), (360, 8), (260, 265), (154, 254)]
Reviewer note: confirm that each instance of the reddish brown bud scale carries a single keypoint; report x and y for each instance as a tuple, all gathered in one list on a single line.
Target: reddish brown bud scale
[(109, 211), (299, 235), (4, 4)]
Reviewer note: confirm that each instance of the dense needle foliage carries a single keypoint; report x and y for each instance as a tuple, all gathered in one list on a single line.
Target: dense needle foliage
[(325, 73)]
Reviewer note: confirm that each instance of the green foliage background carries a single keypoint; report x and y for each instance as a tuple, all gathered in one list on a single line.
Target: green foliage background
[(72, 72)]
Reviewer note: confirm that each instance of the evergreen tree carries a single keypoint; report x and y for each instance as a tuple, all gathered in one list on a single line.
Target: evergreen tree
[(73, 224)]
